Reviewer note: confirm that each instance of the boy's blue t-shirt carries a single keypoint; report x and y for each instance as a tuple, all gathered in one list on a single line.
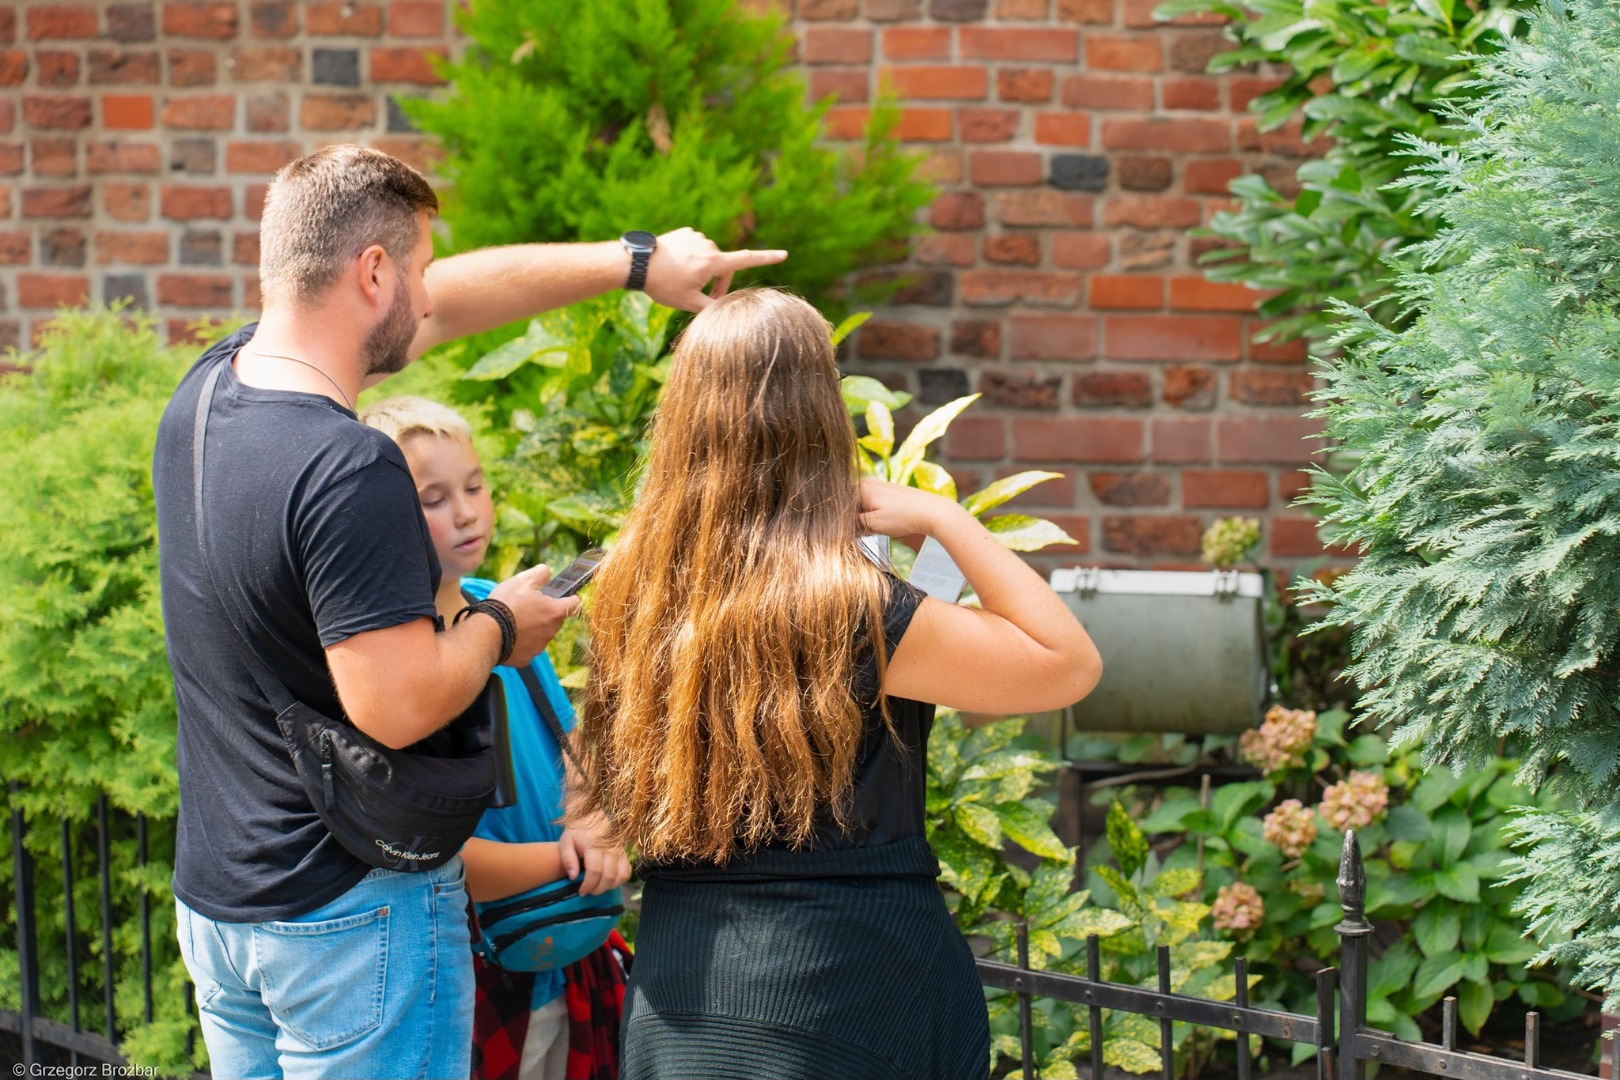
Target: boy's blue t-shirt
[(537, 764)]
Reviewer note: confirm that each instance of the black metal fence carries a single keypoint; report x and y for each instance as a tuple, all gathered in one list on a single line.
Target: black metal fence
[(1338, 1032)]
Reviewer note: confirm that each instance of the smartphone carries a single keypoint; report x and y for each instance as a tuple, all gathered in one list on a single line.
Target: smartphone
[(575, 575), (935, 572), (876, 548)]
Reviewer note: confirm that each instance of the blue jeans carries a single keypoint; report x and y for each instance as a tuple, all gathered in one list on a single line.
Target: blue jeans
[(377, 983)]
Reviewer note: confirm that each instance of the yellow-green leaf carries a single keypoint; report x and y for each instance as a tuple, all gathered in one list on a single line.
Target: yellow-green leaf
[(1182, 879), (934, 478), (927, 430), (860, 390), (988, 498), (1021, 532), (1130, 1055), (848, 326), (981, 823), (879, 436)]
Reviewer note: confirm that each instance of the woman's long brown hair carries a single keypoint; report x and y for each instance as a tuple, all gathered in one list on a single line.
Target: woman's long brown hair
[(720, 712)]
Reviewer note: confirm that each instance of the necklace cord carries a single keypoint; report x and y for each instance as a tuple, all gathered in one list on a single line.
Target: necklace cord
[(312, 367)]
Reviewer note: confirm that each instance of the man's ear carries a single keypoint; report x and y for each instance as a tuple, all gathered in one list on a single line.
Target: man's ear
[(372, 270)]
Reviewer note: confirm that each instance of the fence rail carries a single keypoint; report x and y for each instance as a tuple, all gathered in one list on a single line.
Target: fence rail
[(1339, 1033)]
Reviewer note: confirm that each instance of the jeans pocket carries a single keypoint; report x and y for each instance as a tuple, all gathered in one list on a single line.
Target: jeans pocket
[(324, 981)]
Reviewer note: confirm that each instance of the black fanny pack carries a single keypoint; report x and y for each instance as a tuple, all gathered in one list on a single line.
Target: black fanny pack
[(409, 809)]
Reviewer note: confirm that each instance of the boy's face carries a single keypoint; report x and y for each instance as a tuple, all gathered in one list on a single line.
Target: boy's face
[(450, 483)]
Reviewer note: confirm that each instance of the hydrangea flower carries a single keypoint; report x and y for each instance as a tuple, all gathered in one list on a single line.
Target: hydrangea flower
[(1238, 908), (1280, 741), (1356, 801), (1291, 826), (1228, 541)]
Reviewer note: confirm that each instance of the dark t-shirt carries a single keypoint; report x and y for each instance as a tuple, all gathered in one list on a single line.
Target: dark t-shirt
[(315, 534)]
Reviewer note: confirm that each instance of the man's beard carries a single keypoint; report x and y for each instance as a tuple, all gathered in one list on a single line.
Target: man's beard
[(387, 348)]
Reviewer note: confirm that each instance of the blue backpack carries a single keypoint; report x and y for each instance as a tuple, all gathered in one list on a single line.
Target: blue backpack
[(551, 926)]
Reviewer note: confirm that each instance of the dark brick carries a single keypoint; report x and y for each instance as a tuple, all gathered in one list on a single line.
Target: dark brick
[(925, 288), (131, 287), (275, 20), (195, 157), (976, 337), (124, 66), (335, 67), (1170, 535), (940, 385), (1130, 389), (1019, 390), (1130, 489), (61, 247), (1144, 173), (958, 10), (199, 248), (1192, 51), (1079, 172), (132, 22)]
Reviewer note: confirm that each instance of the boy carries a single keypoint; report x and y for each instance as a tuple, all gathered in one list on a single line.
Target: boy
[(517, 848)]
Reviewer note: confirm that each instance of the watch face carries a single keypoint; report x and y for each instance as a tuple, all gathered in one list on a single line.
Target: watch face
[(640, 240)]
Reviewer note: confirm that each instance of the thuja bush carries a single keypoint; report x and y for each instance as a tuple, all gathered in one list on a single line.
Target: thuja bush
[(1366, 74), (1484, 492), (86, 701), (572, 121)]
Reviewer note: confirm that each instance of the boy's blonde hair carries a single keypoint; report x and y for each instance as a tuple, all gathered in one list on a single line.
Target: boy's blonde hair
[(404, 416)]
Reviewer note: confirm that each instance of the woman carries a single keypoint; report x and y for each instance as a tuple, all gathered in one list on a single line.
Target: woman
[(756, 717)]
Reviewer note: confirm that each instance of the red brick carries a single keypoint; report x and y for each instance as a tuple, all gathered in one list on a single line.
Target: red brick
[(835, 45), (1162, 534), (1125, 389), (1151, 212), (54, 157), (245, 249), (917, 43), (1144, 172), (49, 22), (1210, 176), (847, 123), (1284, 141), (1292, 483), (924, 82), (267, 112), (1132, 93), (1130, 489), (127, 201), (194, 290), (12, 160), (1099, 12), (1024, 84), (343, 19), (957, 210), (1191, 52), (847, 84), (1078, 439), (1267, 441), (132, 248), (878, 340), (1188, 136), (1045, 207), (190, 68), (183, 202), (1189, 386), (1128, 53), (216, 113), (1053, 337), (987, 125), (57, 69), (1224, 489), (35, 290), (8, 114), (1126, 291), (1048, 44), (1020, 249), (924, 125), (8, 25), (188, 332), (893, 10), (1260, 386), (1180, 441), (1194, 292), (943, 167), (976, 438), (1081, 250), (266, 63), (275, 18), (951, 249), (1194, 92), (253, 201), (259, 157), (205, 20), (113, 67), (1020, 389), (1283, 352), (828, 10), (1005, 168), (54, 202), (13, 67), (1241, 91), (1172, 337), (976, 337), (1062, 129), (1295, 537), (126, 112), (56, 112), (1028, 10), (117, 155), (16, 248), (416, 18), (999, 287), (408, 65), (337, 112)]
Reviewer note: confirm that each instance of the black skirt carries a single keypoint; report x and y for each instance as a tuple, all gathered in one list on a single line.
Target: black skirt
[(819, 965)]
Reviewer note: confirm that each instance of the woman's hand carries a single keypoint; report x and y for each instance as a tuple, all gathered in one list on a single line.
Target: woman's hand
[(604, 868), (891, 510)]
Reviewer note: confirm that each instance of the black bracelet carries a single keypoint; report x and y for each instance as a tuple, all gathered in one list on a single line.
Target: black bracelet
[(503, 617)]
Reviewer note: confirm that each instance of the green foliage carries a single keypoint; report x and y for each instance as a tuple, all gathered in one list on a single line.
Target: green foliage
[(1369, 74), (1483, 489), (577, 121), (1436, 856), (86, 701)]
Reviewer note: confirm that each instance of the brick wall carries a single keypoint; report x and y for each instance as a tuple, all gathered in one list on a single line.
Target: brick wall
[(1076, 142)]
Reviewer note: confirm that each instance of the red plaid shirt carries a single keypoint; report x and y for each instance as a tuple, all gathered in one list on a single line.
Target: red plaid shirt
[(594, 993)]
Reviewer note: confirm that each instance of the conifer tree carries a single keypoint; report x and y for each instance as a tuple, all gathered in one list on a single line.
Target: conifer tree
[(1484, 479)]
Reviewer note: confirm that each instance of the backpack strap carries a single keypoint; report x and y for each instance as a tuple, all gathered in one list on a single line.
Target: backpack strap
[(542, 702)]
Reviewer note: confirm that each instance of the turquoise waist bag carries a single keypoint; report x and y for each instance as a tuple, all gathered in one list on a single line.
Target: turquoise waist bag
[(547, 928)]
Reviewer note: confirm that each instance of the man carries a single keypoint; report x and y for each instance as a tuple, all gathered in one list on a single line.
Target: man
[(320, 570)]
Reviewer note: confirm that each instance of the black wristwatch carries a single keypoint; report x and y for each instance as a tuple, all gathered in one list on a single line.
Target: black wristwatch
[(640, 244)]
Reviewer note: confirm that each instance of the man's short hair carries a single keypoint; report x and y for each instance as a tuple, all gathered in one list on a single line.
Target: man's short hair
[(404, 416), (327, 207)]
